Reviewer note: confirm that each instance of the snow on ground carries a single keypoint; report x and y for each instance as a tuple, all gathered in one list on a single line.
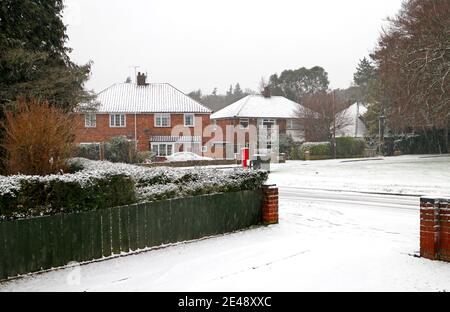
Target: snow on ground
[(415, 175), (325, 241), (316, 247)]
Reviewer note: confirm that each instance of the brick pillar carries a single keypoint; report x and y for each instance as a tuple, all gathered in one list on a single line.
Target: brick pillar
[(270, 205), (444, 227), (429, 228)]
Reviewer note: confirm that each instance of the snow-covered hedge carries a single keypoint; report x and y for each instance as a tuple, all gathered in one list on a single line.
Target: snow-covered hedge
[(101, 184)]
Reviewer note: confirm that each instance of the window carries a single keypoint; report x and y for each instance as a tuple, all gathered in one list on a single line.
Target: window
[(214, 124), (204, 149), (268, 122), (244, 123), (90, 120), (290, 124), (189, 120), (117, 121), (162, 149), (162, 120)]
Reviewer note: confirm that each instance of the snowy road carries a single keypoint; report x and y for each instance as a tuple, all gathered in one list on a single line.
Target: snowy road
[(359, 199)]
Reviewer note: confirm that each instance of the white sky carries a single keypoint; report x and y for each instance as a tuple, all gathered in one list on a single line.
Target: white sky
[(202, 44)]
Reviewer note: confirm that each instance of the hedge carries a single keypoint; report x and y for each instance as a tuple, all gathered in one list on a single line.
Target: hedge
[(101, 184), (350, 147), (345, 147), (315, 149)]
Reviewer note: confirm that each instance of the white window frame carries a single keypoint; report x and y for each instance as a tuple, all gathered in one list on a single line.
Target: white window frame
[(158, 154), (290, 125), (273, 122), (113, 120), (193, 120), (90, 122), (161, 117), (204, 149), (245, 120)]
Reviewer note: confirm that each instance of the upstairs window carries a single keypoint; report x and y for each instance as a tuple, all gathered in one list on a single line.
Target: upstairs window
[(244, 123), (117, 121), (162, 120), (90, 120), (189, 120)]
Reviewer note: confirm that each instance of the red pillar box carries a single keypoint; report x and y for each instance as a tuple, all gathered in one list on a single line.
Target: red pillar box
[(245, 157)]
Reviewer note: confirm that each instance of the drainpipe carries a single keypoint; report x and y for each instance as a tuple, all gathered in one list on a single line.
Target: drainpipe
[(135, 131)]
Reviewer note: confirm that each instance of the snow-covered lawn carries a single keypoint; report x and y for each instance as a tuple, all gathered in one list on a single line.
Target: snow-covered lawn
[(415, 175), (319, 245)]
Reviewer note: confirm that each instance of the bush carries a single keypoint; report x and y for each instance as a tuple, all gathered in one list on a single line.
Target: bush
[(316, 149), (102, 184), (25, 196), (431, 141), (117, 150), (38, 138), (350, 147), (89, 151)]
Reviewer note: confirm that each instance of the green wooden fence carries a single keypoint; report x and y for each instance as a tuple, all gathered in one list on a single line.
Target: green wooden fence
[(36, 244)]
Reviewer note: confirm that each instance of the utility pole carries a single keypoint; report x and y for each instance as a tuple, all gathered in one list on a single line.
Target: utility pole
[(334, 124)]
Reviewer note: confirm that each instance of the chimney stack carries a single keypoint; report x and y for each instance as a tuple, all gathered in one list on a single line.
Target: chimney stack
[(266, 92), (141, 79)]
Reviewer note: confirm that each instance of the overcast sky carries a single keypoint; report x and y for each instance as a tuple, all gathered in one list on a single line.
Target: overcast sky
[(202, 44)]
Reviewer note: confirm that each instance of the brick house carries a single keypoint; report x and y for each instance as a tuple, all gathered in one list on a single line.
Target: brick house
[(264, 112), (159, 117)]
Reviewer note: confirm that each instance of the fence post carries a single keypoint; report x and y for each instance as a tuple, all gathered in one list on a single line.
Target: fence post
[(270, 205)]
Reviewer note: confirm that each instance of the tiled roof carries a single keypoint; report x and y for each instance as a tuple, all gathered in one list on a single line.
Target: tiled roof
[(152, 98), (258, 106)]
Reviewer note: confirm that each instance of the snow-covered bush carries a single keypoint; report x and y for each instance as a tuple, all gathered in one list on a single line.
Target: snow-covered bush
[(101, 184)]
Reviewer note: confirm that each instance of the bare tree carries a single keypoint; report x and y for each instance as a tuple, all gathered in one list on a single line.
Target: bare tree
[(413, 59), (322, 115)]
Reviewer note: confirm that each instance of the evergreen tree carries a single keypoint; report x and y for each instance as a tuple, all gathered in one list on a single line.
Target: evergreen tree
[(238, 93), (196, 95), (34, 60), (365, 73), (296, 84)]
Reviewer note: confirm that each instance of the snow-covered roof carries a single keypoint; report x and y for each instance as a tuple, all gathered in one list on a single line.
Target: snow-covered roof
[(151, 98), (258, 106), (356, 127)]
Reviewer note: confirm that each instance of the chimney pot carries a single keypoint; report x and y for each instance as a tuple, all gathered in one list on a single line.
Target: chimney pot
[(141, 79)]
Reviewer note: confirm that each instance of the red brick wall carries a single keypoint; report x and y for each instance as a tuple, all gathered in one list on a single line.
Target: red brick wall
[(435, 228), (103, 132)]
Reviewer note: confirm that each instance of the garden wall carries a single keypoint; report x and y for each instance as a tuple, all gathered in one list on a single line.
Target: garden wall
[(36, 244)]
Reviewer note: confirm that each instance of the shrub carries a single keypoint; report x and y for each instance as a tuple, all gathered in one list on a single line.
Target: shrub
[(316, 149), (89, 151), (38, 138), (102, 184), (117, 150), (350, 147), (120, 149), (24, 196)]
